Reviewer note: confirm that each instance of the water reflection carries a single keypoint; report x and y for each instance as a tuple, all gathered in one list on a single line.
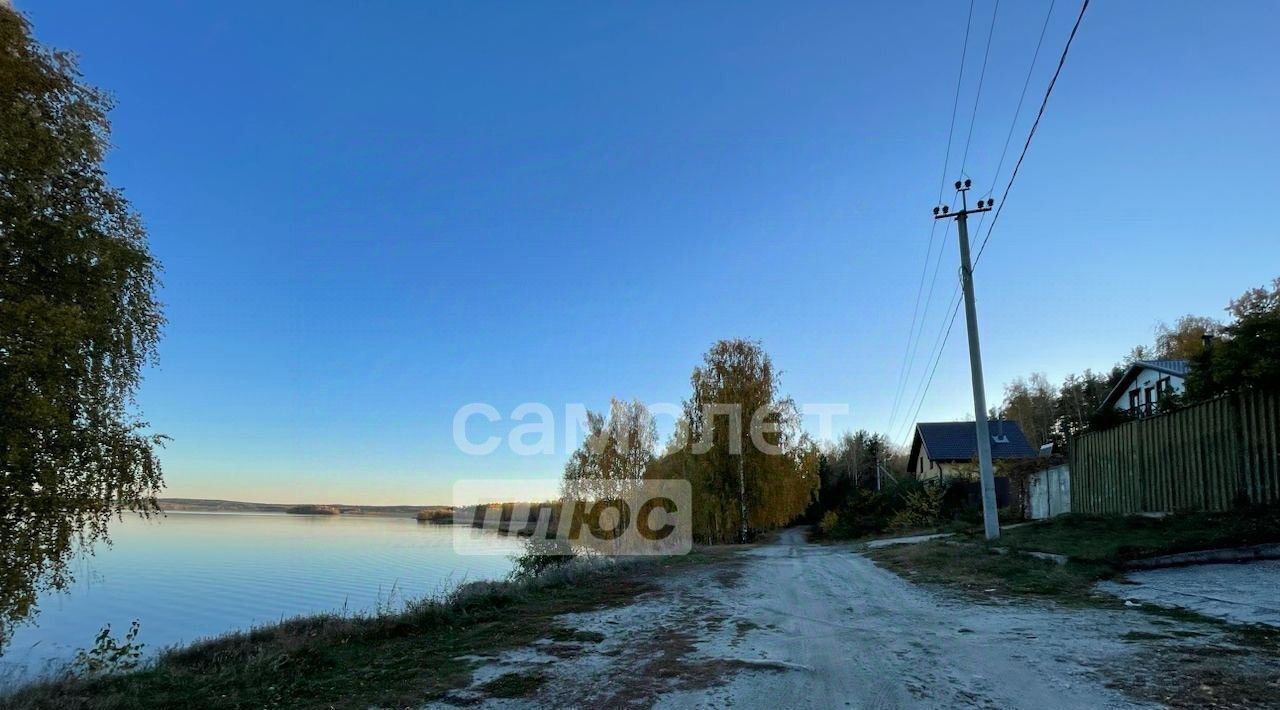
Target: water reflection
[(191, 575)]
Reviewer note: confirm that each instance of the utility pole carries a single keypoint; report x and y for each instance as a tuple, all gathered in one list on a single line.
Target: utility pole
[(990, 517)]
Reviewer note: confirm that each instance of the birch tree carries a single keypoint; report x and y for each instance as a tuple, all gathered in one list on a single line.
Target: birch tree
[(78, 322)]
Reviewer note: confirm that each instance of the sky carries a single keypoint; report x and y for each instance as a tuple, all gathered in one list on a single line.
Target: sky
[(371, 215)]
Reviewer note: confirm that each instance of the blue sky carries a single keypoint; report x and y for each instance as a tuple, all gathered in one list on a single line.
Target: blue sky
[(372, 214)]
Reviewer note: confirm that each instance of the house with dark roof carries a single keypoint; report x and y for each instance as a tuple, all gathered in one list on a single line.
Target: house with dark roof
[(1138, 392), (944, 450)]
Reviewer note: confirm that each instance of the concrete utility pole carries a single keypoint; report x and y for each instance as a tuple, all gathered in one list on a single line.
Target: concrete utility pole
[(990, 517)]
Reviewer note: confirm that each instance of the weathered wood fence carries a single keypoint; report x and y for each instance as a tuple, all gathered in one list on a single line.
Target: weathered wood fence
[(1203, 457)]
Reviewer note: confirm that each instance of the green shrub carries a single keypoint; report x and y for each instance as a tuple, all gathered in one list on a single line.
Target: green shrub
[(921, 508), (539, 556), (908, 504), (110, 656), (830, 521)]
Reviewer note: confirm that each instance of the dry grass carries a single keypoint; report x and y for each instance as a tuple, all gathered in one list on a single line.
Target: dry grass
[(1115, 539), (1191, 662), (979, 571), (385, 660)]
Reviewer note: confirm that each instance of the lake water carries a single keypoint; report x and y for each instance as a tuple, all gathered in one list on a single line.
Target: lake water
[(188, 576)]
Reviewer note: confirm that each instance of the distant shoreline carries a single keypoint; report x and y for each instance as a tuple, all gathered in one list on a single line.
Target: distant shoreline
[(205, 505)]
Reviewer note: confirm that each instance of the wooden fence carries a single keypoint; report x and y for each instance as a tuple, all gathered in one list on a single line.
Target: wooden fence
[(1203, 457)]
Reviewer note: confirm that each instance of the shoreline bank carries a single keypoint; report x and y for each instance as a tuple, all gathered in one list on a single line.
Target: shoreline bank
[(389, 658)]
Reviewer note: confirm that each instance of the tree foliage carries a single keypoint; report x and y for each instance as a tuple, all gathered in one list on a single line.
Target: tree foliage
[(1049, 414), (855, 455), (740, 447), (1080, 398), (78, 322), (1185, 339), (849, 465), (1247, 353), (615, 455), (1033, 404)]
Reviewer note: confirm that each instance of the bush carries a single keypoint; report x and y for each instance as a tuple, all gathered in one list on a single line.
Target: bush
[(830, 521), (539, 556), (110, 656), (865, 512), (921, 508), (861, 512)]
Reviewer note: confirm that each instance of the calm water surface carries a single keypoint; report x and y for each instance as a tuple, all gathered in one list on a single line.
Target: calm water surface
[(191, 575)]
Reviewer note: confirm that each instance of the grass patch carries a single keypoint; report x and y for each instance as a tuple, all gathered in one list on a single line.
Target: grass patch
[(954, 527), (1202, 678), (1204, 662), (1117, 539), (1196, 662), (978, 570), (515, 685), (846, 534), (1256, 636), (1193, 661), (1098, 547), (390, 660)]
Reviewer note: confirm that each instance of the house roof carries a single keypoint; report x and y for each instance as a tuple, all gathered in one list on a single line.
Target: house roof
[(1176, 368), (958, 441), (1170, 367)]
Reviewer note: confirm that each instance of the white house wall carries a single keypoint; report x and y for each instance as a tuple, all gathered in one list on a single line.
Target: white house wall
[(1148, 377)]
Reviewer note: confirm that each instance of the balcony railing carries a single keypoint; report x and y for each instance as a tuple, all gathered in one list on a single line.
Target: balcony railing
[(1143, 410)]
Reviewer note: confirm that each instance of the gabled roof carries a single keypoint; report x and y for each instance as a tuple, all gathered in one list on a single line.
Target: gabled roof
[(1169, 367), (1174, 368), (958, 441)]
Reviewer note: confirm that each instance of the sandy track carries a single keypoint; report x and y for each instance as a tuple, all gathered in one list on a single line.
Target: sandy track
[(796, 625), (872, 640)]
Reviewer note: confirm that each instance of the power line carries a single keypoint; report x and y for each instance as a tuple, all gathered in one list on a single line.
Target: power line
[(941, 346), (933, 283), (939, 342), (937, 267), (946, 164), (1039, 114), (904, 370), (924, 318), (1013, 124), (973, 119), (913, 343), (1017, 111)]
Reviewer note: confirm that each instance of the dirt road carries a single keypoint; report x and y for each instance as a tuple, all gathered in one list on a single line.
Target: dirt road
[(792, 624)]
